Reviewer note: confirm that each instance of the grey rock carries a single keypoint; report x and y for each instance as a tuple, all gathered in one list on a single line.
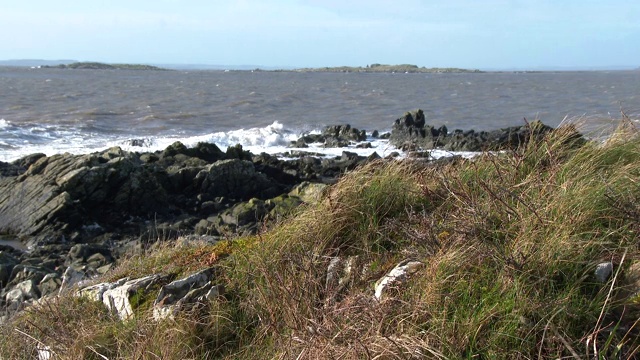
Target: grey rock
[(396, 276), (96, 292), (309, 192), (14, 298), (234, 178), (411, 130), (29, 289), (118, 298), (172, 292), (26, 272), (179, 293), (70, 278), (50, 284), (603, 271), (60, 193)]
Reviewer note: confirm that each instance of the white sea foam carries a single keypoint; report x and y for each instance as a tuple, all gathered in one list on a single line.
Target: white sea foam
[(272, 139), (3, 123)]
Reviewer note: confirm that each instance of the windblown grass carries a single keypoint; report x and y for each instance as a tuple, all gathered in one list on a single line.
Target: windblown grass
[(509, 244)]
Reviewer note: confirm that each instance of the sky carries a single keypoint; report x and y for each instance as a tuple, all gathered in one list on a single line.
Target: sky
[(475, 34)]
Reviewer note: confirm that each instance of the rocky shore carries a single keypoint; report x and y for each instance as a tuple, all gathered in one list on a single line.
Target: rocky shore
[(78, 214)]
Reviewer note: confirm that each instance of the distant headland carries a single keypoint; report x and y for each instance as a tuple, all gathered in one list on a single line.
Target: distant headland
[(382, 68), (103, 66)]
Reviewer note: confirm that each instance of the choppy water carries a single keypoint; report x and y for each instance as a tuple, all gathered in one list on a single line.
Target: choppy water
[(79, 111)]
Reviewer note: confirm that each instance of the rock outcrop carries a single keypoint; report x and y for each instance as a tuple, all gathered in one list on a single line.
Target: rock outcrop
[(411, 131), (332, 136)]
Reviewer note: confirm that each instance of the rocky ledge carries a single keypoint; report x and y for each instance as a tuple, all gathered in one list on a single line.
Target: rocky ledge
[(411, 132), (77, 214)]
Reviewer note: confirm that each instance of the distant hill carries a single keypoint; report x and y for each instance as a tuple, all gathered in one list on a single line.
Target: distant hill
[(34, 62), (103, 66), (382, 68)]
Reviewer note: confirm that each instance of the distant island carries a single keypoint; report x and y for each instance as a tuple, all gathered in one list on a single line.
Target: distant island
[(382, 68), (102, 66)]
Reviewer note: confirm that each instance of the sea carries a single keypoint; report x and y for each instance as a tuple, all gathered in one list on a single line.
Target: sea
[(51, 111)]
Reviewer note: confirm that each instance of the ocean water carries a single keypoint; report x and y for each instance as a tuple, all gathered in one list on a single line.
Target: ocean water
[(81, 111)]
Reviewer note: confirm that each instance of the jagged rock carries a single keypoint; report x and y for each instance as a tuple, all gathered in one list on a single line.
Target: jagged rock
[(7, 169), (284, 172), (50, 284), (123, 296), (309, 192), (26, 161), (178, 294), (411, 130), (70, 278), (282, 205), (396, 276), (332, 136), (236, 179), (22, 272), (207, 152), (95, 254), (118, 298), (21, 293), (236, 152), (343, 133), (96, 292), (58, 194)]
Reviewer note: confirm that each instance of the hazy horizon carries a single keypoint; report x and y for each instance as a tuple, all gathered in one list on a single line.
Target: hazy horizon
[(188, 66), (495, 34)]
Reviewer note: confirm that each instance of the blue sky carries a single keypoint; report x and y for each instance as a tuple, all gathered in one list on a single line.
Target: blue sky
[(485, 34)]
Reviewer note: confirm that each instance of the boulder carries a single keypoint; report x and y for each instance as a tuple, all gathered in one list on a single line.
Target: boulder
[(338, 133), (235, 179), (395, 277), (22, 272), (70, 278), (50, 284), (309, 192), (282, 205), (96, 292), (196, 288), (603, 271), (124, 298), (20, 293)]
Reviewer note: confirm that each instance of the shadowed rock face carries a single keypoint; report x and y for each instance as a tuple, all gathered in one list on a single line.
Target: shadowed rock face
[(63, 191), (78, 197), (411, 131), (58, 194)]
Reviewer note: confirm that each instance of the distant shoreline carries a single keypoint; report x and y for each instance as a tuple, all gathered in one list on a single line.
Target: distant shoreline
[(102, 66), (381, 68), (373, 68)]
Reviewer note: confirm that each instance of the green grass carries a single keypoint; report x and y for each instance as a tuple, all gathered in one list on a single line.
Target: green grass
[(509, 242)]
